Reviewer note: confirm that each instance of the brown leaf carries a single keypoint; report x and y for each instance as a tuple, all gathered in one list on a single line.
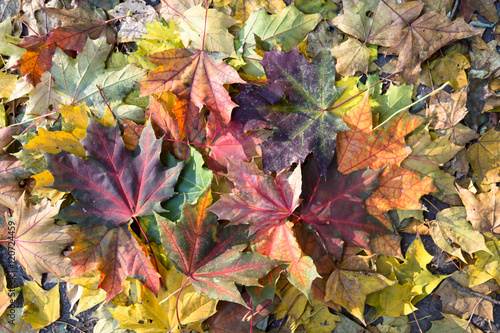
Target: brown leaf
[(449, 108), (461, 303), (12, 176), (481, 209), (424, 37)]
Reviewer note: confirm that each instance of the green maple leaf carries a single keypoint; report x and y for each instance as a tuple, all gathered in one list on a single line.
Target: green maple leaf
[(282, 31), (79, 80)]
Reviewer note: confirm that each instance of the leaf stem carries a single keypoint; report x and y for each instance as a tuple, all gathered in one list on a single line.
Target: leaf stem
[(177, 301), (115, 19), (412, 104), (27, 128), (150, 247), (303, 219), (288, 310), (5, 328), (251, 310), (205, 26), (106, 102)]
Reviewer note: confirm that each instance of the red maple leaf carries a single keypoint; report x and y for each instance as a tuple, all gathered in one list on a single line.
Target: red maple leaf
[(210, 254), (335, 207)]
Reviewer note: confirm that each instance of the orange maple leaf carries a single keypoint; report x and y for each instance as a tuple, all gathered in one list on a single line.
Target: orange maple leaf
[(399, 189), (362, 147), (194, 75)]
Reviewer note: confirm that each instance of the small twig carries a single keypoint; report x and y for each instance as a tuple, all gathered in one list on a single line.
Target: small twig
[(472, 314), (467, 290), (457, 2), (416, 319)]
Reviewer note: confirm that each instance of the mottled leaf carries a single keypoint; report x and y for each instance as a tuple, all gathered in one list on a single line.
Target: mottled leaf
[(295, 102)]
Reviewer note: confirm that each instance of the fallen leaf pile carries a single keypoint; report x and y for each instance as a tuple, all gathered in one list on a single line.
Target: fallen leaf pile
[(248, 165)]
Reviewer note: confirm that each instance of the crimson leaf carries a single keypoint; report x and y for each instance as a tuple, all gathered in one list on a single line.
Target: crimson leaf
[(209, 254), (335, 207), (113, 184)]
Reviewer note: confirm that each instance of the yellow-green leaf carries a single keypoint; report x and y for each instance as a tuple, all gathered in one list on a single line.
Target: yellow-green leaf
[(41, 307)]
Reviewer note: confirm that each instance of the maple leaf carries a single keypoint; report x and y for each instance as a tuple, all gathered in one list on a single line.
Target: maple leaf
[(352, 57), (449, 108), (414, 281), (484, 156), (194, 75), (295, 102), (175, 9), (258, 199), (450, 68), (209, 254), (349, 285), (278, 242), (36, 60), (242, 9), (7, 84), (84, 79), (113, 184), (80, 23), (179, 120), (484, 7), (193, 180), (428, 153), (42, 100), (39, 242), (399, 189), (487, 264), (116, 253), (206, 29), (42, 306), (362, 147), (451, 229), (423, 37), (159, 37), (452, 323), (12, 175), (390, 101), (376, 22), (335, 207), (159, 314)]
